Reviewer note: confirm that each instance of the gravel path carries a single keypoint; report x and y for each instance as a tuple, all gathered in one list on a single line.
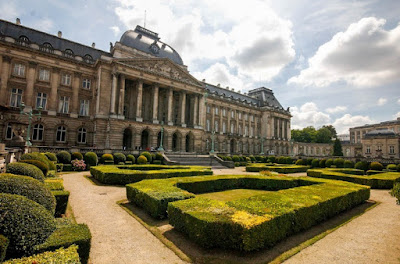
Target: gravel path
[(117, 237)]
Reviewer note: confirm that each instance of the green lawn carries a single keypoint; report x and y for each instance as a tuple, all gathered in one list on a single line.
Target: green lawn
[(232, 195)]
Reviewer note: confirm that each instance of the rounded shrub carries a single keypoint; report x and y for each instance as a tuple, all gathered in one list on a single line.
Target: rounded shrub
[(28, 187), (288, 160), (242, 158), (142, 160), (248, 159), (376, 166), (348, 164), (30, 170), (90, 159), (322, 163), (41, 157), (229, 158), (339, 162), (153, 157), (51, 156), (25, 223), (159, 156), (41, 165), (235, 158), (271, 159), (391, 167), (130, 157), (64, 157), (315, 163), (119, 157), (361, 165), (252, 158), (106, 156), (147, 155), (301, 162), (309, 161), (329, 163), (281, 160), (76, 155)]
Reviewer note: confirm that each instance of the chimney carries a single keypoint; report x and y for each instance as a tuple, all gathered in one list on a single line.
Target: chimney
[(18, 21), (93, 45), (204, 80), (227, 87), (59, 34), (219, 85)]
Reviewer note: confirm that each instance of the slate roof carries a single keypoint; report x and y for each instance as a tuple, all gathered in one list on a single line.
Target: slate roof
[(38, 37), (380, 132)]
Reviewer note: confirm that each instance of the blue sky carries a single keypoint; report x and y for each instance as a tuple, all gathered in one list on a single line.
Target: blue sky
[(333, 62)]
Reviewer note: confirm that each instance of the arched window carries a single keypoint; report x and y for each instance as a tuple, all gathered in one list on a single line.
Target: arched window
[(37, 132), (88, 59), (24, 41), (47, 47), (69, 53), (82, 135), (61, 134)]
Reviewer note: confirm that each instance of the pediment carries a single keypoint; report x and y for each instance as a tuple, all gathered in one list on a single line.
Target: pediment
[(161, 66)]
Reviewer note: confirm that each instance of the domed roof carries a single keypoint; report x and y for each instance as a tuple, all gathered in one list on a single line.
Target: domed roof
[(148, 41)]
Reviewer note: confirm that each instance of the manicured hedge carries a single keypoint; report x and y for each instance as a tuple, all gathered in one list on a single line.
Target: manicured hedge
[(28, 187), (51, 156), (39, 156), (20, 168), (56, 187), (41, 165), (347, 171), (76, 155), (141, 159), (91, 159), (64, 157), (60, 256), (67, 167), (378, 181), (67, 235), (396, 191), (257, 167), (119, 157), (3, 247), (25, 223), (124, 174)]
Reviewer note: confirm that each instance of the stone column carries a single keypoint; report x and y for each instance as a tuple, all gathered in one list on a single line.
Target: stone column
[(75, 94), (212, 117), (155, 106), (243, 124), (169, 113), (220, 121), (121, 96), (228, 124), (139, 87), (113, 92), (289, 135), (53, 100), (255, 130), (237, 121), (29, 98), (183, 108), (196, 111), (5, 73), (202, 115)]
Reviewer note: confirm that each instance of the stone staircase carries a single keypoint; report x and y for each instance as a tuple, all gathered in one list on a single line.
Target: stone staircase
[(194, 159)]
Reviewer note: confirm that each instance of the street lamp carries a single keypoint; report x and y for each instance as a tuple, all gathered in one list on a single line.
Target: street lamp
[(160, 148), (262, 146), (30, 114)]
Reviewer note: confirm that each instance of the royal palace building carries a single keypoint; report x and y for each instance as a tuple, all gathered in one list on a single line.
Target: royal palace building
[(123, 98)]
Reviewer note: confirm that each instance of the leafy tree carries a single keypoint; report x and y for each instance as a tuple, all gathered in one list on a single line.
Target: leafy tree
[(337, 148), (323, 135), (332, 129)]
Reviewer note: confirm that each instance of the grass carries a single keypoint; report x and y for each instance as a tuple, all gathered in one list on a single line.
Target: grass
[(231, 195)]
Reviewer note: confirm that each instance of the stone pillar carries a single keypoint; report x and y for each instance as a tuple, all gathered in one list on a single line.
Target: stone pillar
[(212, 117), (169, 113), (53, 100), (243, 124), (5, 73), (202, 115), (220, 121), (228, 124), (289, 135), (29, 98), (196, 111), (75, 94), (155, 106), (255, 130), (139, 87), (183, 108), (121, 96), (237, 121), (113, 92)]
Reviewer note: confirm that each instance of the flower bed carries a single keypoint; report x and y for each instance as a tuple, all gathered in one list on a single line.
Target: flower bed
[(124, 174), (281, 168)]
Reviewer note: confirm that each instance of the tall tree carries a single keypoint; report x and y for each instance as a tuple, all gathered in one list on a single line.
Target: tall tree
[(337, 148), (323, 135), (332, 129)]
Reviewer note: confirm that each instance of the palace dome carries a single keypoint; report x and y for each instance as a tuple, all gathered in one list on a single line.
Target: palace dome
[(148, 41)]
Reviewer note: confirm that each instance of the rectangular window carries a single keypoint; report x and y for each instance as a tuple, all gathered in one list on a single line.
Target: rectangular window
[(66, 79), (41, 100), (251, 132), (44, 75), (84, 109), (19, 69), (224, 112), (232, 114), (16, 97), (391, 149), (216, 110), (252, 118), (86, 83), (208, 109), (224, 127), (208, 125), (240, 115), (246, 131), (63, 106), (240, 129), (9, 132), (216, 126), (232, 128), (246, 117)]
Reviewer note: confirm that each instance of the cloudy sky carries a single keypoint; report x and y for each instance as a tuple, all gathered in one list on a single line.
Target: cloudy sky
[(332, 62)]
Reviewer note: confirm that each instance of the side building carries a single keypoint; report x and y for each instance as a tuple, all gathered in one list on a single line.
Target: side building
[(121, 99)]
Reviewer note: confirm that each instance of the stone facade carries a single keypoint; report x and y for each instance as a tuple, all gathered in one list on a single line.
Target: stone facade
[(122, 99), (312, 149)]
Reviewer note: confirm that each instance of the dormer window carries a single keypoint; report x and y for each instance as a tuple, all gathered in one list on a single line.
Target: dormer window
[(88, 59), (24, 41), (47, 47), (68, 53)]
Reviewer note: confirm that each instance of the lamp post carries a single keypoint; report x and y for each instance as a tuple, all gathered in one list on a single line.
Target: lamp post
[(212, 142), (160, 148), (262, 146), (30, 114)]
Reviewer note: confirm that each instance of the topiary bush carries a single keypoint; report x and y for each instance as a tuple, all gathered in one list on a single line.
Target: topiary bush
[(51, 156), (64, 157), (61, 255), (398, 167), (271, 159), (159, 156), (301, 162), (391, 167), (40, 165), (322, 163), (235, 158), (288, 160), (30, 170), (25, 223), (329, 163), (395, 192), (28, 187), (228, 158), (281, 160), (119, 157), (361, 165), (107, 157), (76, 155), (338, 162), (348, 164), (39, 156), (131, 158), (309, 161), (148, 156), (3, 247), (91, 159), (142, 160), (376, 166), (252, 158), (153, 157), (315, 163)]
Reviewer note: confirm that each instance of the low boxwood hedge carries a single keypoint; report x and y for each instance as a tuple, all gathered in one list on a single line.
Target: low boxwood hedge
[(396, 191), (56, 187), (41, 165), (124, 174), (30, 170), (28, 187), (25, 223), (292, 205), (3, 247), (377, 181), (67, 235), (60, 256), (257, 167), (67, 167)]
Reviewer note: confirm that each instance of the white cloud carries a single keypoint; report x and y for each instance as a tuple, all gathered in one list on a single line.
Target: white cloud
[(347, 121), (9, 11), (219, 73), (249, 36), (382, 101), (308, 115), (364, 55), (336, 109), (43, 24), (116, 30), (398, 101), (396, 115)]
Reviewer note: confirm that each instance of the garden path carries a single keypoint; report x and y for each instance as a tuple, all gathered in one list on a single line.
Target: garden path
[(117, 237)]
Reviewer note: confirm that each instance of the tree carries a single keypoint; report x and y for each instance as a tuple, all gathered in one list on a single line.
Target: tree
[(323, 135), (337, 148), (332, 129)]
